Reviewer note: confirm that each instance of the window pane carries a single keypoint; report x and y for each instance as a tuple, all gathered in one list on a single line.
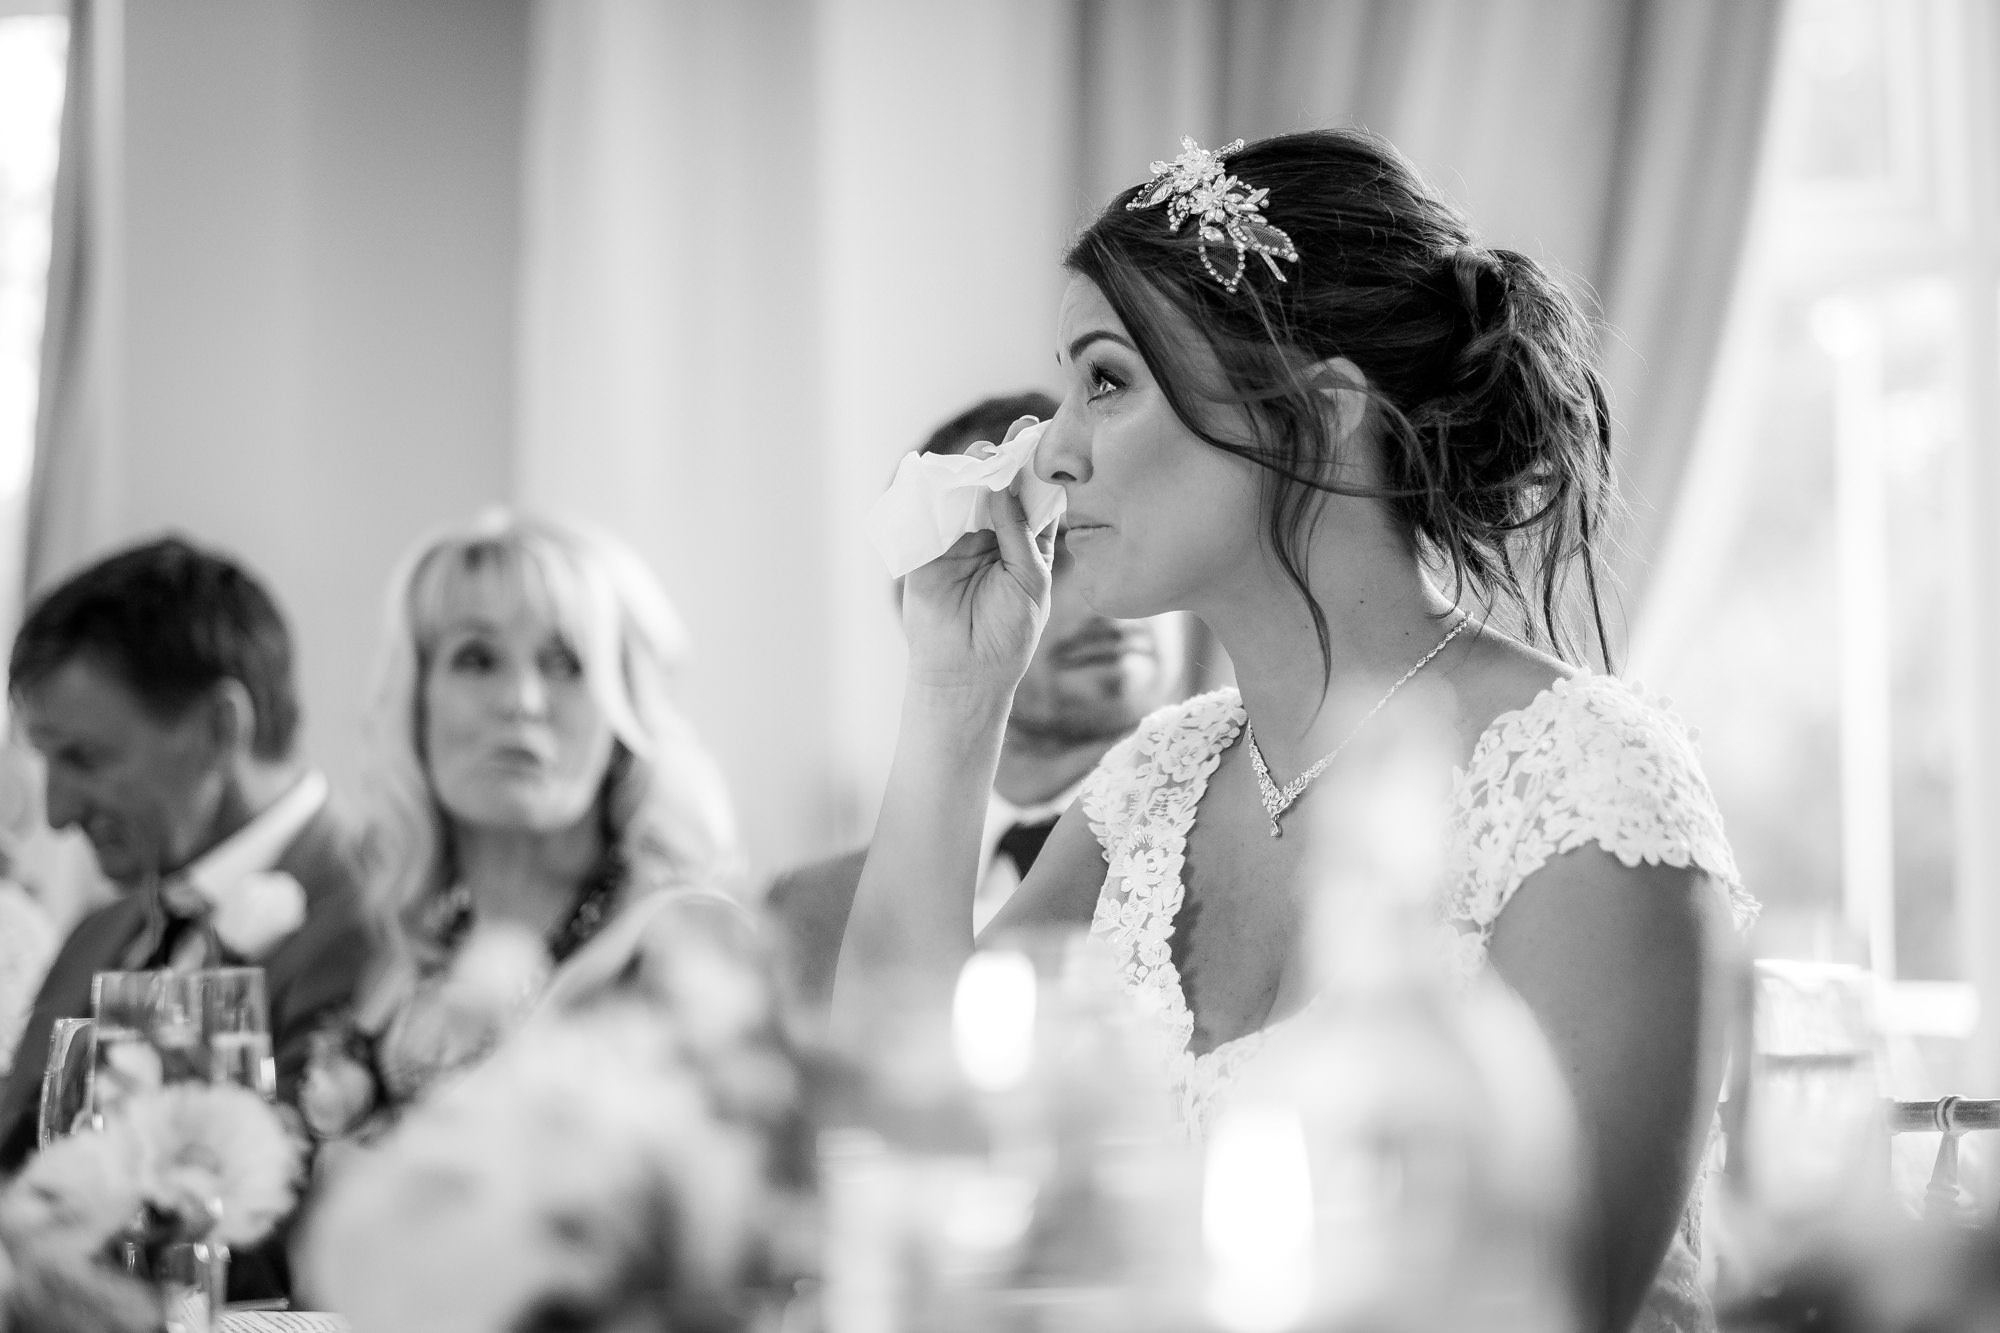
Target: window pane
[(1921, 443)]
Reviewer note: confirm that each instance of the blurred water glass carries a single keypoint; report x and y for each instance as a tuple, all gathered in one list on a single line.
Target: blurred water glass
[(235, 1022), (1013, 1163), (66, 1079), (148, 1034), (1811, 1147), (192, 1280)]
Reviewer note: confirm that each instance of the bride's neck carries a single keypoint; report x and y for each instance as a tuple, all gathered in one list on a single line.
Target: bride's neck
[(527, 877), (1382, 615)]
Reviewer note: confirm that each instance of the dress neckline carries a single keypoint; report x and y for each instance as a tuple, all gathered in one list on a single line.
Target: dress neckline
[(1180, 1012)]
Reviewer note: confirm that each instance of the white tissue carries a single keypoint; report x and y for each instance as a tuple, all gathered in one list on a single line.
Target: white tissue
[(934, 500)]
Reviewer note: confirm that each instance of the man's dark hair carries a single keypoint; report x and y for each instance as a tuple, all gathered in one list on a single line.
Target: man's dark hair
[(170, 621), (987, 420)]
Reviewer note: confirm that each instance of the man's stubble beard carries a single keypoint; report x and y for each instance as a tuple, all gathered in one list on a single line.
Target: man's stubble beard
[(1075, 727)]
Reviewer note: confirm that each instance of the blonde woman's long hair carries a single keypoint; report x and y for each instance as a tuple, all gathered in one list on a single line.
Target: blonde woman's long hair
[(664, 805)]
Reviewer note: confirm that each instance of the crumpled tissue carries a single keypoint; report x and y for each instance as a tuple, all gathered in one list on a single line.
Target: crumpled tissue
[(934, 500)]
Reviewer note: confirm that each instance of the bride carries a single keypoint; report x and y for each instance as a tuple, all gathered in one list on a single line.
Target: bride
[(1301, 402)]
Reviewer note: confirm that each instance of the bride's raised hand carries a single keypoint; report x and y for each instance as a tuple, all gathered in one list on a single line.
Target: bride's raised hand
[(973, 615)]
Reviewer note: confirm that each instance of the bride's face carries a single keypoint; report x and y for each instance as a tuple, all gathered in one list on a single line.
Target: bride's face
[(1159, 520)]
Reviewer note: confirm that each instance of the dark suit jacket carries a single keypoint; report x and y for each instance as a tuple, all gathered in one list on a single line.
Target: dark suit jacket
[(310, 974), (810, 905)]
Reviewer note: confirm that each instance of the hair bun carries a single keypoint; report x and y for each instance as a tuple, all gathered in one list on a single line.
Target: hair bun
[(1478, 278)]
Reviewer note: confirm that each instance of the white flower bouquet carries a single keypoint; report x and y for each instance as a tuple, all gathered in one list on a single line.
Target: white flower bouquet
[(200, 1167), (633, 1156), (182, 1162)]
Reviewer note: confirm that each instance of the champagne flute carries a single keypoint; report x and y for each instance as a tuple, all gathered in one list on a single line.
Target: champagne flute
[(236, 1021), (148, 1035), (66, 1079)]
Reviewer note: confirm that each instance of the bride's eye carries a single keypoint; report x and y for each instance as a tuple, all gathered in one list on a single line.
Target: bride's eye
[(1103, 381)]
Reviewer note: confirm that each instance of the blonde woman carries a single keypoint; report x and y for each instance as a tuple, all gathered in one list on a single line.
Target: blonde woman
[(536, 802)]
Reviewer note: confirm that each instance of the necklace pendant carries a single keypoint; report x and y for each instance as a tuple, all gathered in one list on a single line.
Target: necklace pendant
[(1276, 832)]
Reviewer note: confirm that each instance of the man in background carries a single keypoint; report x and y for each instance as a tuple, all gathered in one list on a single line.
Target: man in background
[(157, 686), (1090, 682)]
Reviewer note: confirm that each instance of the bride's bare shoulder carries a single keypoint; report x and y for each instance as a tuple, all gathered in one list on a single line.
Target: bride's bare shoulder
[(1494, 675)]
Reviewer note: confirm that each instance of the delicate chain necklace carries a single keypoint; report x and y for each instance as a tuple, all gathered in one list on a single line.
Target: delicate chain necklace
[(1277, 801)]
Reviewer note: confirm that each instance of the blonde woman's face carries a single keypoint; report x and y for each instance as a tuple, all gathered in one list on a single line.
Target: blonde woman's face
[(514, 739)]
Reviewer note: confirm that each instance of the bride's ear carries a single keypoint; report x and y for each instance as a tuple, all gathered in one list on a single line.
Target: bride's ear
[(1344, 390)]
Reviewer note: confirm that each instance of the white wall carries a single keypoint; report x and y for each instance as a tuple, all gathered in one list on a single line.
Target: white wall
[(319, 227)]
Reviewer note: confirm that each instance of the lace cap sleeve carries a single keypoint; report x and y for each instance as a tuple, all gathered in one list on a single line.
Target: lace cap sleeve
[(1592, 760), (1165, 744)]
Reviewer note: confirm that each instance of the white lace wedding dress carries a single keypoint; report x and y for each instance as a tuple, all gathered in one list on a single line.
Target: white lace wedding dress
[(1590, 760)]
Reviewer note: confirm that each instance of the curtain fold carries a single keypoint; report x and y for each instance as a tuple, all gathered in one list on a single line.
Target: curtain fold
[(1615, 139), (70, 491), (1691, 136)]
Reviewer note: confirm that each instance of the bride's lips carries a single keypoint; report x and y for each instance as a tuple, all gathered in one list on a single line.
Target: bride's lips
[(1082, 529)]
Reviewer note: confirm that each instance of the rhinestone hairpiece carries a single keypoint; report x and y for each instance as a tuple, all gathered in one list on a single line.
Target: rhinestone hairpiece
[(1227, 211)]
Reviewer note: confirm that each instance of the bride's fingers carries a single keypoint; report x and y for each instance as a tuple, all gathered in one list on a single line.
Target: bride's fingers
[(975, 543), (1019, 547)]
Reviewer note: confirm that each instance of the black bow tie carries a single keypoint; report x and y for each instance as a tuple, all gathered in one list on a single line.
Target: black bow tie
[(1022, 843)]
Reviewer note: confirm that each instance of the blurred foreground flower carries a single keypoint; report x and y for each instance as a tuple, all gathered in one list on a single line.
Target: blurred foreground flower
[(201, 1161), (580, 1176), (636, 1151), (64, 1294)]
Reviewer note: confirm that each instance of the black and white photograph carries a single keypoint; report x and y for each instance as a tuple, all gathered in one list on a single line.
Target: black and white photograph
[(1000, 666)]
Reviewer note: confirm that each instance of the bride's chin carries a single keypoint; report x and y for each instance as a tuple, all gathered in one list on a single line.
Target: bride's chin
[(1120, 600)]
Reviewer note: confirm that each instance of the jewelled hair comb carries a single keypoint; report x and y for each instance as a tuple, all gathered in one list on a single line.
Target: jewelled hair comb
[(1227, 212)]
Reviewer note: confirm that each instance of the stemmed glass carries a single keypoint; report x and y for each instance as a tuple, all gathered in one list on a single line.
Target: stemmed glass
[(236, 1023)]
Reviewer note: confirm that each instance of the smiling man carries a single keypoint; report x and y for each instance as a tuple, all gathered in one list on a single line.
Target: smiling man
[(157, 686), (1091, 681)]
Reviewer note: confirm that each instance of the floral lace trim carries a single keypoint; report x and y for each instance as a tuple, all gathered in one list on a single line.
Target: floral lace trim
[(1141, 802), (1590, 760)]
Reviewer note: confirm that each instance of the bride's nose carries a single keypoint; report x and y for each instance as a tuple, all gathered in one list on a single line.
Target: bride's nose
[(1063, 455)]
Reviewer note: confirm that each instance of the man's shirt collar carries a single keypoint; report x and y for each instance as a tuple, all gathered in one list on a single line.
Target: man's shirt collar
[(259, 844)]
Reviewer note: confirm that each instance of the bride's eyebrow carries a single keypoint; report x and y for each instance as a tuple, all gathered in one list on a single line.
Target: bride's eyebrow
[(1085, 339)]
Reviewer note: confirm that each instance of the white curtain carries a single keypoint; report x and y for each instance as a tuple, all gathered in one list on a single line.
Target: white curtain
[(73, 482)]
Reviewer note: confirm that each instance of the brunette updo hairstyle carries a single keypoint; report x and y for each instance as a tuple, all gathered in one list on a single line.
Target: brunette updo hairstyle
[(1494, 430)]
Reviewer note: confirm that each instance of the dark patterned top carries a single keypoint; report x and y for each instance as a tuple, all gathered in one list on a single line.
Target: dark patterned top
[(358, 1079)]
